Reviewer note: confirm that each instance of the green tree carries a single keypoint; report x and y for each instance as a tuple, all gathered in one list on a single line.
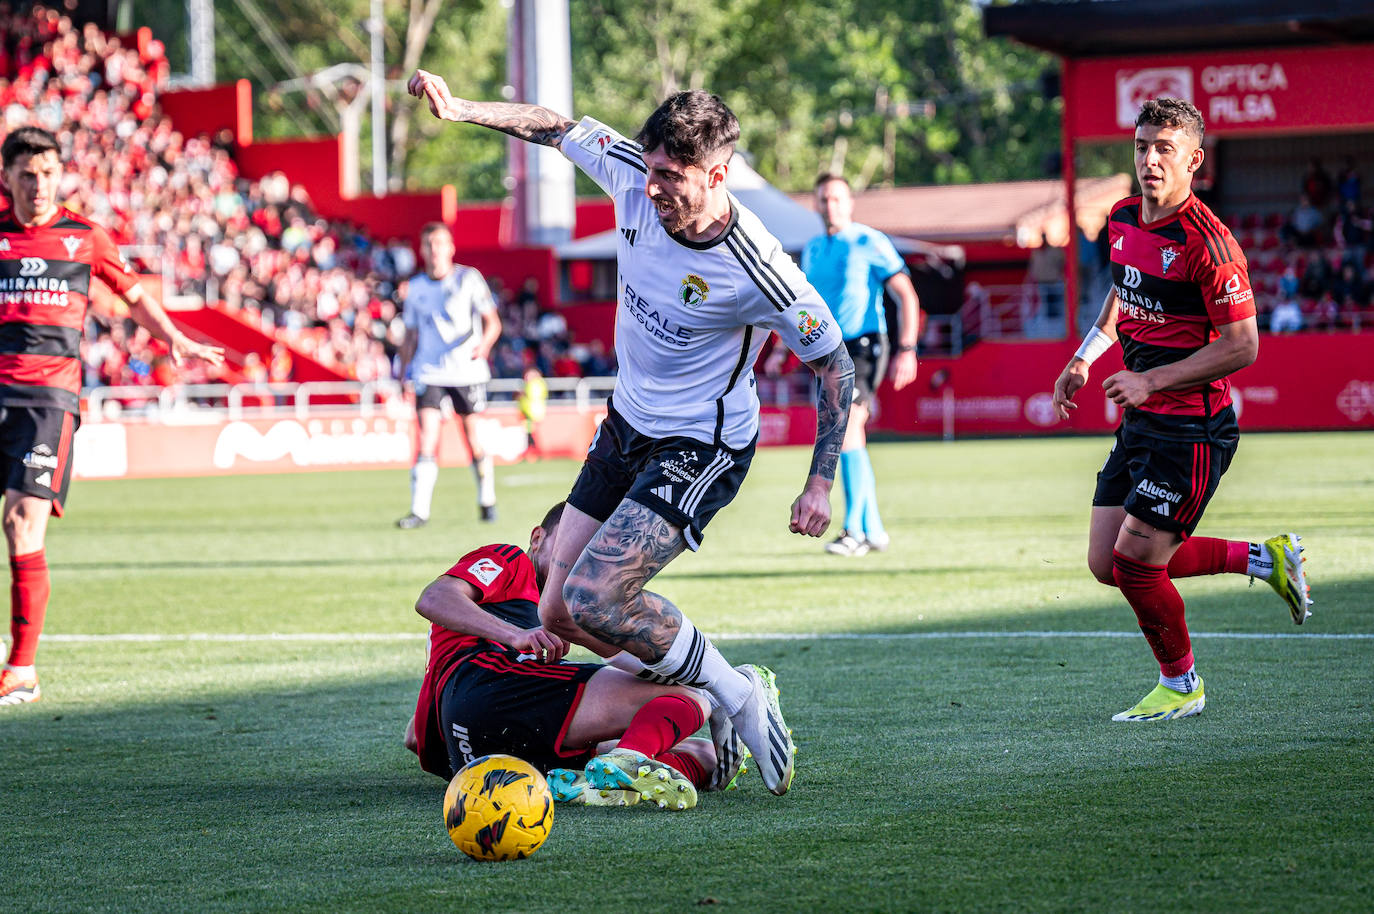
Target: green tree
[(886, 91)]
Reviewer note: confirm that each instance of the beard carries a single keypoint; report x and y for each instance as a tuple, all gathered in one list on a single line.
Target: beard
[(683, 214)]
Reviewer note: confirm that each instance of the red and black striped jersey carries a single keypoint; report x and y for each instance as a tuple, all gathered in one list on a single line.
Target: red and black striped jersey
[(1176, 281), (507, 587), (45, 285)]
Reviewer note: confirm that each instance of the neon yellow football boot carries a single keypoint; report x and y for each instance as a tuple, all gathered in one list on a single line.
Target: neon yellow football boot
[(1163, 703), (1289, 579), (571, 787), (655, 781)]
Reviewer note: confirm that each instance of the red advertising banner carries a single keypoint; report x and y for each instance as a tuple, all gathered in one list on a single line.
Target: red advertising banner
[(136, 450), (1304, 382), (1254, 91)]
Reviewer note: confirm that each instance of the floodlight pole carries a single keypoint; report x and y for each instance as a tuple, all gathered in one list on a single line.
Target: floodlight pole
[(375, 24)]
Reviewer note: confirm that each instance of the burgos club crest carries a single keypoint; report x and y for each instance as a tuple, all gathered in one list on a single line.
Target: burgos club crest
[(694, 291)]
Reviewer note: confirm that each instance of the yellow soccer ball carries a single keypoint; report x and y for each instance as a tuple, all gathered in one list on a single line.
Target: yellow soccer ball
[(498, 807)]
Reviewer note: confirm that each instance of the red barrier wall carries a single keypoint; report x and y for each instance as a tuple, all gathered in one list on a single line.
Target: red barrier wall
[(196, 111), (136, 450), (242, 337), (1310, 381)]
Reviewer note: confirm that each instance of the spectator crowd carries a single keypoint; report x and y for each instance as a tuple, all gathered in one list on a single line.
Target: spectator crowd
[(179, 207)]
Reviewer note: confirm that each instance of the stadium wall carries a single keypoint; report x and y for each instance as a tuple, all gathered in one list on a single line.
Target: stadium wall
[(1303, 382)]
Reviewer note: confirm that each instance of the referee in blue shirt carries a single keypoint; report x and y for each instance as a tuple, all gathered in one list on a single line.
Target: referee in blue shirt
[(850, 265)]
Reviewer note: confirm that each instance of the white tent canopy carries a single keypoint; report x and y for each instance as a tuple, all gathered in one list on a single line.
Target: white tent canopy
[(790, 222)]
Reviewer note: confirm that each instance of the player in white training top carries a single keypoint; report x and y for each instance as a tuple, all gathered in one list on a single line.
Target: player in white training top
[(451, 324), (702, 283)]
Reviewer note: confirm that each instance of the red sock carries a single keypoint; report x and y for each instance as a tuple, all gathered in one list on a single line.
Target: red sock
[(29, 589), (687, 763), (661, 724), (1159, 610), (1207, 555)]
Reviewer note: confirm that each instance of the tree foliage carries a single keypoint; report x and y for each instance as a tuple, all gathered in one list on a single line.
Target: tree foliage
[(886, 91)]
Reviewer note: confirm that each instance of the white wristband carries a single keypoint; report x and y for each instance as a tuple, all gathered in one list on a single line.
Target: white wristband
[(1094, 344)]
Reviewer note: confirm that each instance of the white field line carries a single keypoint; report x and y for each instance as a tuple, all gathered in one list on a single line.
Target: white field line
[(230, 637)]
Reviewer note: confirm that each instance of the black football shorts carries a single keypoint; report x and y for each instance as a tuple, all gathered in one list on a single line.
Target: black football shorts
[(493, 702), (682, 480), (36, 450)]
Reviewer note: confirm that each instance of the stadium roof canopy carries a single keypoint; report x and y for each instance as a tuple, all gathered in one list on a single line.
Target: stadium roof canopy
[(1006, 212), (1098, 28)]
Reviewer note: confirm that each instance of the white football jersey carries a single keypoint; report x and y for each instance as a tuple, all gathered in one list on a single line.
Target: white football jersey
[(692, 316), (448, 315)]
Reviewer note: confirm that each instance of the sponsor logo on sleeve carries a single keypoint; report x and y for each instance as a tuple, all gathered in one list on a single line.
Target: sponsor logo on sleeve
[(811, 327), (597, 141), (485, 570), (1237, 291)]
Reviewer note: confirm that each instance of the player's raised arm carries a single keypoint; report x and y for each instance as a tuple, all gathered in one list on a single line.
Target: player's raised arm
[(532, 123), (835, 372)]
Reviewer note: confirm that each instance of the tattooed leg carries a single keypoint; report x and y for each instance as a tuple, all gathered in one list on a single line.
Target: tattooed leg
[(605, 592), (575, 530)]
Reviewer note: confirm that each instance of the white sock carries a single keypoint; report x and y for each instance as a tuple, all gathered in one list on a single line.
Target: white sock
[(694, 661), (22, 670), (1185, 683), (423, 476), (486, 481), (1261, 564)]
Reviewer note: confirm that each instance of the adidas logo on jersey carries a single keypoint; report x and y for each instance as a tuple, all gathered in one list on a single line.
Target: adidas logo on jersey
[(1116, 245), (4, 244), (630, 234), (44, 480), (1162, 509), (665, 493)]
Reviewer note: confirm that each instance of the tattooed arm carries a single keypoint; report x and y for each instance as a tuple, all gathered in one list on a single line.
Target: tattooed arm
[(835, 372), (525, 122)]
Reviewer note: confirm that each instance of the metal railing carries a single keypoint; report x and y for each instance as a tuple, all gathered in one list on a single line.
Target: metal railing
[(190, 403)]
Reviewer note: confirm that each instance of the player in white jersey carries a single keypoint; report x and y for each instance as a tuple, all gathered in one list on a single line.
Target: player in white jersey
[(451, 324), (702, 283)]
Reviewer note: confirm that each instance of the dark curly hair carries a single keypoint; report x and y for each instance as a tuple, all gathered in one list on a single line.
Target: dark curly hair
[(691, 127), (1172, 112)]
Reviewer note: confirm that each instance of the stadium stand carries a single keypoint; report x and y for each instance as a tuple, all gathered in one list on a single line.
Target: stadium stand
[(323, 290)]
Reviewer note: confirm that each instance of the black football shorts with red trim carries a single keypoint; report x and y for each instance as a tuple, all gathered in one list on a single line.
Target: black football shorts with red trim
[(496, 703), (1164, 470), (36, 451), (682, 480)]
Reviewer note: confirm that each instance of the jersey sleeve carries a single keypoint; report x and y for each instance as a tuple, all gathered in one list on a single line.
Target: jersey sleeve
[(1224, 277), (784, 302), (476, 290), (493, 570), (883, 258), (609, 159), (108, 265)]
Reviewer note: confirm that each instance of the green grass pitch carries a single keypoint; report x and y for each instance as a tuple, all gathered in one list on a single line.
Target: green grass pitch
[(950, 698)]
